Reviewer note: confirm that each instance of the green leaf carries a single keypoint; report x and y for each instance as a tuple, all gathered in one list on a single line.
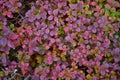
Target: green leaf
[(63, 58), (0, 25), (116, 14), (88, 77), (90, 15), (90, 57), (27, 56), (81, 40), (111, 46), (60, 20), (0, 13), (42, 48), (47, 22), (11, 26), (118, 33), (39, 59), (87, 7), (107, 11), (118, 44), (19, 78), (74, 44), (109, 55), (1, 73), (70, 15), (59, 78), (101, 1), (74, 1), (118, 38), (61, 31), (20, 56)]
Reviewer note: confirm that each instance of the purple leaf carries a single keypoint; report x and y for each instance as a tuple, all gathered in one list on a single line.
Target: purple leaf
[(73, 6), (50, 17), (55, 12), (3, 42), (4, 60), (37, 49), (11, 45)]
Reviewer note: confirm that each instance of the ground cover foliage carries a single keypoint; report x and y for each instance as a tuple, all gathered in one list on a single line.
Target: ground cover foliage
[(59, 39)]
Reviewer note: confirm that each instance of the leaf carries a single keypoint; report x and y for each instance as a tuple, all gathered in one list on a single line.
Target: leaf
[(1, 73), (0, 25), (4, 60), (29, 30), (88, 77), (73, 1), (109, 55), (19, 78), (61, 31), (11, 26), (39, 59), (59, 78), (64, 58), (19, 4), (118, 33), (87, 7), (81, 40), (60, 20), (3, 42), (37, 49), (11, 45), (20, 56), (101, 1), (107, 11), (14, 37), (115, 14), (9, 14), (118, 38), (27, 56), (74, 44), (90, 57)]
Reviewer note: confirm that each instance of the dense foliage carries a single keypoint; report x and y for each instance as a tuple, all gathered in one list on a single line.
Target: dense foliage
[(59, 39)]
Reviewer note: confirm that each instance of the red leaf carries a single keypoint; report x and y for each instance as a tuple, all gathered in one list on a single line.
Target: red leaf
[(14, 37), (29, 31), (8, 14)]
